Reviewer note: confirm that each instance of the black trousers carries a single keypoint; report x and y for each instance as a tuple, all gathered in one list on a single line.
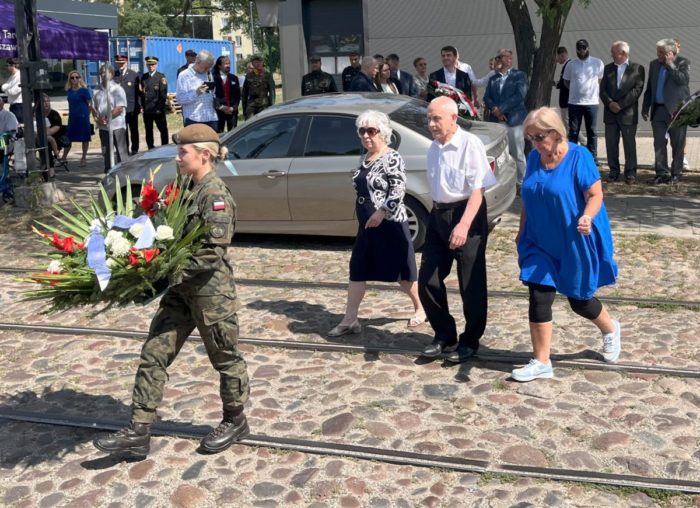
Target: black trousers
[(161, 123), (436, 265), (227, 121), (660, 120), (613, 132), (132, 131)]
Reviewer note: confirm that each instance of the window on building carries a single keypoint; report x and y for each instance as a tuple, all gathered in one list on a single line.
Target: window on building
[(239, 41)]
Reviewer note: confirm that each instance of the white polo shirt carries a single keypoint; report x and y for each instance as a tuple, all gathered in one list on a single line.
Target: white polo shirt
[(584, 79), (117, 97), (458, 167)]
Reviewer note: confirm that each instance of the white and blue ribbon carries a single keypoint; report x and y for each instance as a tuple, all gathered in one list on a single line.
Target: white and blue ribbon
[(96, 255)]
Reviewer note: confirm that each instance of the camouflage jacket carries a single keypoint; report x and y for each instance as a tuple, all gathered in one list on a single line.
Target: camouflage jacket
[(209, 272), (258, 90)]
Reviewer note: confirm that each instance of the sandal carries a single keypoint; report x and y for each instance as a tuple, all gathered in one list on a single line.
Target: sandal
[(418, 319)]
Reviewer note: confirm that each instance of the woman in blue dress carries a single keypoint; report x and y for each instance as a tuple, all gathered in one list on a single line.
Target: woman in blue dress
[(78, 111), (383, 249), (564, 242)]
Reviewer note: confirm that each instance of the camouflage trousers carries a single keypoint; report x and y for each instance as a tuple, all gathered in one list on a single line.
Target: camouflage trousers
[(178, 315)]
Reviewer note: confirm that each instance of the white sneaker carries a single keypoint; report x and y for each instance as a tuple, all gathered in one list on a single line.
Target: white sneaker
[(611, 344), (533, 370), (686, 165)]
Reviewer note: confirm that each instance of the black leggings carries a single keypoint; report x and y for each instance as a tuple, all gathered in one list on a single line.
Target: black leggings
[(542, 297)]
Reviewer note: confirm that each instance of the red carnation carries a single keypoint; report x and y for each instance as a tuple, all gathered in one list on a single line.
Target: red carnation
[(149, 254), (149, 197)]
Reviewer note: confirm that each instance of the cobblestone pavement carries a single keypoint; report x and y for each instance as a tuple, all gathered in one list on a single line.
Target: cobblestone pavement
[(590, 420)]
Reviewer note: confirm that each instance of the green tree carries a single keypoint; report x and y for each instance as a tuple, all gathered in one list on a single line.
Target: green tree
[(539, 60)]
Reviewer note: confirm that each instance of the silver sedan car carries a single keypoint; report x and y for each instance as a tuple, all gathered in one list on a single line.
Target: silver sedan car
[(289, 167)]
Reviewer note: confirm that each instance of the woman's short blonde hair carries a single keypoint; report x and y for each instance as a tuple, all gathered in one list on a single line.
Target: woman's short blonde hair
[(378, 120), (542, 120), (81, 81), (218, 152)]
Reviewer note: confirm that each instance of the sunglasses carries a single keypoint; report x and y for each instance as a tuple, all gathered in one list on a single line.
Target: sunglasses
[(537, 138), (370, 131), (75, 77)]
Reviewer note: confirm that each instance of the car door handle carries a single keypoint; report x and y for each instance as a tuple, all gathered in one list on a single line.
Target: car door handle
[(273, 173)]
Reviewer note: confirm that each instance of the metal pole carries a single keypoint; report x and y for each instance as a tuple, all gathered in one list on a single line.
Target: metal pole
[(252, 30), (108, 83)]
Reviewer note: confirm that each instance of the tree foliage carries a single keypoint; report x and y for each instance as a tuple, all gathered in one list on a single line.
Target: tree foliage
[(538, 57)]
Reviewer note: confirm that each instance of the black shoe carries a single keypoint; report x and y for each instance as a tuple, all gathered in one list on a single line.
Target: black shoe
[(437, 347), (613, 178), (631, 180), (229, 431), (134, 439), (675, 180), (660, 180), (461, 354)]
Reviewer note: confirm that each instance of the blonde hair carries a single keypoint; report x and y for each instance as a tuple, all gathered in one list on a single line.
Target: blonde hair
[(81, 81), (544, 119), (218, 152)]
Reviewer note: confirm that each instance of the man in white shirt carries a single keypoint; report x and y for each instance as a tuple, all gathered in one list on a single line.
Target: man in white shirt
[(582, 77), (458, 173), (12, 87), (465, 67), (195, 92), (109, 112)]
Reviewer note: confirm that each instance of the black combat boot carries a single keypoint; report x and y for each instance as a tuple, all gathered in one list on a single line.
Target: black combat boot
[(134, 439), (231, 429)]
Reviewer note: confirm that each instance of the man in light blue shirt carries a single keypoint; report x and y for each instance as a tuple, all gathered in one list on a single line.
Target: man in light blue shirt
[(195, 92)]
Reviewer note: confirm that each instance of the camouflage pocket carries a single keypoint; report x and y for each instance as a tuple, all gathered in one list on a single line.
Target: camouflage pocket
[(225, 333), (217, 308)]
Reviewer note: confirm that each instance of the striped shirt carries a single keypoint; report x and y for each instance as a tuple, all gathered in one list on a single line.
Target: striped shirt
[(198, 108)]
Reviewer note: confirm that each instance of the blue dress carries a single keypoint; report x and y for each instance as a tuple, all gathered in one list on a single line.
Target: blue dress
[(78, 114), (551, 251)]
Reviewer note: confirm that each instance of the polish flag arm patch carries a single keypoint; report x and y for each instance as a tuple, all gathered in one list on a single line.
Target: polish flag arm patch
[(218, 205)]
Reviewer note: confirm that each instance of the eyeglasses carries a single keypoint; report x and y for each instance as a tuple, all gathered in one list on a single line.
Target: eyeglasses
[(75, 77), (370, 131), (537, 138)]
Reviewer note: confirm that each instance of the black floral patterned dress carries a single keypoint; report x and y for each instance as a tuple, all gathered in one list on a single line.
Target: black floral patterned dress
[(384, 253)]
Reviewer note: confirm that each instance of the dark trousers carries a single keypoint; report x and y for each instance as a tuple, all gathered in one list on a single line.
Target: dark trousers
[(613, 132), (120, 147), (132, 131), (588, 114), (436, 264), (227, 121), (176, 318), (660, 120), (214, 125), (16, 109), (161, 123)]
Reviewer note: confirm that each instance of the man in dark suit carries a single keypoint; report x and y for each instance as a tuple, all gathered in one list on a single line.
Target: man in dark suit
[(667, 88), (131, 83), (364, 80), (155, 93), (505, 100), (227, 92), (620, 89), (450, 74), (403, 80)]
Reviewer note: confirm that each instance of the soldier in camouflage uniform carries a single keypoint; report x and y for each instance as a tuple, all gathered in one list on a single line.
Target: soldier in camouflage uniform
[(317, 81), (202, 296), (258, 90)]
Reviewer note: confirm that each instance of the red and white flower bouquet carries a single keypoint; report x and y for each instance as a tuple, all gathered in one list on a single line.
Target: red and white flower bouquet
[(465, 105), (116, 252)]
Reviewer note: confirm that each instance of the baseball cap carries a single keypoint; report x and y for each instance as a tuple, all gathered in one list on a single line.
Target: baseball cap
[(582, 43), (196, 133)]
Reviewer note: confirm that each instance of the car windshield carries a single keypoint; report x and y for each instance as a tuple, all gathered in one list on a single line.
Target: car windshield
[(414, 115)]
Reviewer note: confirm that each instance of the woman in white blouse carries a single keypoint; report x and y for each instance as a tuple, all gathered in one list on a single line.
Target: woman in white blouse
[(383, 80)]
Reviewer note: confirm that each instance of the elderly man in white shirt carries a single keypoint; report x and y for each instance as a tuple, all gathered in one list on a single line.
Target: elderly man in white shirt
[(109, 112), (195, 92), (458, 174)]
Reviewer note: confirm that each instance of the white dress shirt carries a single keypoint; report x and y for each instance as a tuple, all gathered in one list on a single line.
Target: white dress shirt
[(458, 167), (465, 67), (450, 77), (621, 71), (13, 89), (117, 97)]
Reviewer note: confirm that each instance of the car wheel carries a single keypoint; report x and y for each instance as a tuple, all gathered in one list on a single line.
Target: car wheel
[(417, 221)]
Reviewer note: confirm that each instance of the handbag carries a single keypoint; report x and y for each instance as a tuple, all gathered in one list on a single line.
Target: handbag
[(92, 130)]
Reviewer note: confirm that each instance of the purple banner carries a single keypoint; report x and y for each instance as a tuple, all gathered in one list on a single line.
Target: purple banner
[(57, 39)]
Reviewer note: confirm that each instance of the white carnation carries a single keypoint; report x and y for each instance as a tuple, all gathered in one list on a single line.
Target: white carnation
[(111, 262), (164, 233), (112, 236), (120, 247), (55, 266), (135, 230)]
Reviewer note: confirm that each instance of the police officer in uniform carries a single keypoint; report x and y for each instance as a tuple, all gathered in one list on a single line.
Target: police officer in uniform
[(258, 90), (317, 81), (131, 83), (155, 92), (202, 296)]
